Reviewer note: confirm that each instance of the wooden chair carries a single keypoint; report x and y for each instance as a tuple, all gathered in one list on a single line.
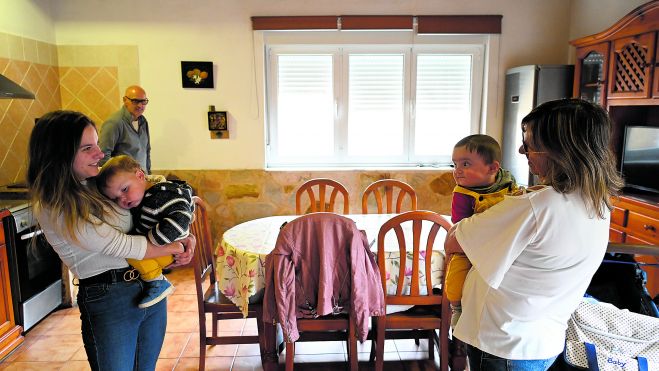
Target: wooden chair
[(326, 328), (210, 299), (321, 203), (384, 191), (431, 309)]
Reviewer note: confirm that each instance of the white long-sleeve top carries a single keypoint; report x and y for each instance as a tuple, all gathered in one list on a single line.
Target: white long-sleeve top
[(100, 247)]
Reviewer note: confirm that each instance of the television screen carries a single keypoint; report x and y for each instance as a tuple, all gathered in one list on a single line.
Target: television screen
[(640, 158)]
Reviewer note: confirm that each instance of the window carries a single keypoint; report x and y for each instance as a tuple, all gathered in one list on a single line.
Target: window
[(371, 103)]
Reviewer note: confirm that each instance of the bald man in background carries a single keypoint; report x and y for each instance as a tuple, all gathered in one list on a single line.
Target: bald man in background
[(126, 132)]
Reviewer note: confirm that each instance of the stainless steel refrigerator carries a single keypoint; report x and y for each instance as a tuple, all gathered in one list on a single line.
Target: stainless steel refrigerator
[(526, 88)]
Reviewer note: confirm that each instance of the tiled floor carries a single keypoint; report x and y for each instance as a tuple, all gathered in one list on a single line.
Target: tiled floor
[(55, 344)]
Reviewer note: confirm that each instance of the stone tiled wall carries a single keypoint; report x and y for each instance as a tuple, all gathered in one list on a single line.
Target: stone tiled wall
[(81, 78), (90, 90), (31, 64), (92, 78), (236, 196)]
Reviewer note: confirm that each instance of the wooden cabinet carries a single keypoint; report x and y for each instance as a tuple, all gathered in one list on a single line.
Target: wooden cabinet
[(618, 69), (636, 221), (591, 73), (625, 55), (10, 333)]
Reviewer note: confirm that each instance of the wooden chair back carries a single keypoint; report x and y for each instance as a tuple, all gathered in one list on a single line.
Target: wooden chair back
[(319, 201), (390, 193), (415, 296), (210, 300), (437, 316), (204, 261)]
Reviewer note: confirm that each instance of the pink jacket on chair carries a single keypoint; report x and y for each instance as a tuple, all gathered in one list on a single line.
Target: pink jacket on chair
[(308, 274)]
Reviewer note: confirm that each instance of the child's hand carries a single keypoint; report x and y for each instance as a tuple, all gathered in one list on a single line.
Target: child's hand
[(186, 256), (522, 191)]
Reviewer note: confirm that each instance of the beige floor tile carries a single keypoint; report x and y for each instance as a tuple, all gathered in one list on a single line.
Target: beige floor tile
[(246, 350), (52, 348), (174, 344), (408, 345), (320, 358), (212, 364), (34, 366), (192, 348), (177, 322), (76, 366), (66, 324), (365, 347), (247, 364), (166, 364), (182, 303), (319, 347), (80, 355)]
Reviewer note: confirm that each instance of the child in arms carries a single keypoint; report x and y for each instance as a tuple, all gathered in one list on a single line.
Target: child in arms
[(162, 211), (481, 183)]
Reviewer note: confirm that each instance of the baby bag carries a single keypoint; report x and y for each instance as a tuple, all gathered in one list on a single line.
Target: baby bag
[(603, 337)]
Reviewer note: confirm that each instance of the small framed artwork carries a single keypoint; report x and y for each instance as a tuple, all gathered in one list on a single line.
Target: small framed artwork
[(217, 120), (197, 75)]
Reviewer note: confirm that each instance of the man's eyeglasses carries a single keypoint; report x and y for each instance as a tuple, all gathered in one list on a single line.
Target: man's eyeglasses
[(526, 149), (138, 101)]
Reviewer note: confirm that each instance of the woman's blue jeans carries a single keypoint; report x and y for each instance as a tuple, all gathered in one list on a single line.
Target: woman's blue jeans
[(479, 360), (119, 336)]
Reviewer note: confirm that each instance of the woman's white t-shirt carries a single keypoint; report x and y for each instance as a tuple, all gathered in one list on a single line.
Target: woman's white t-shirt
[(533, 257)]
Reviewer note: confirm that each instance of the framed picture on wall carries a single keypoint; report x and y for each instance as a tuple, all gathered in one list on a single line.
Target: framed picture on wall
[(197, 74), (217, 120)]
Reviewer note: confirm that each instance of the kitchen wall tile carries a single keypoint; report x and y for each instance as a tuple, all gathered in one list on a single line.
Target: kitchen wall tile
[(44, 51), (30, 50), (85, 56), (65, 55), (73, 80), (15, 44), (4, 45), (4, 62), (105, 79), (54, 55)]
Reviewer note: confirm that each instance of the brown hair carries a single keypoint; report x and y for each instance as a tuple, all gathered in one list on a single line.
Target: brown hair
[(114, 166), (484, 145), (575, 135), (53, 146)]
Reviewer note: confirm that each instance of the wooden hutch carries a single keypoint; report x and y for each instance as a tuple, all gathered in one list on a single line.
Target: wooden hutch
[(619, 69), (10, 333)]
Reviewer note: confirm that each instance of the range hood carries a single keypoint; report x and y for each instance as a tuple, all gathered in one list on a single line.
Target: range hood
[(11, 90)]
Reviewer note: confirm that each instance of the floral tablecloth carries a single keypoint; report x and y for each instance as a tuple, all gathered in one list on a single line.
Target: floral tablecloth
[(243, 248)]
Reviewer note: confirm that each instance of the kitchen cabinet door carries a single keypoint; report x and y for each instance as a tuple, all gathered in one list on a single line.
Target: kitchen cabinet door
[(590, 74), (631, 66)]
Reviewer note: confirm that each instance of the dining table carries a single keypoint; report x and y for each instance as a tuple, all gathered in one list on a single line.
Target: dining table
[(243, 248)]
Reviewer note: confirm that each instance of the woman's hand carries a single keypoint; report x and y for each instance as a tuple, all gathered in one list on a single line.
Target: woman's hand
[(451, 244), (186, 256)]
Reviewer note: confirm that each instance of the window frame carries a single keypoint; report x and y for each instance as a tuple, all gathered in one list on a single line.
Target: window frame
[(339, 44)]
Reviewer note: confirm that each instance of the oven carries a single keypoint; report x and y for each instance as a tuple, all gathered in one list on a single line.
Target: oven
[(35, 269)]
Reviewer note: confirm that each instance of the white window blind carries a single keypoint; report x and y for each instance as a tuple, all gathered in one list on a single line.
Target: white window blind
[(361, 105), (305, 106), (443, 102), (375, 105)]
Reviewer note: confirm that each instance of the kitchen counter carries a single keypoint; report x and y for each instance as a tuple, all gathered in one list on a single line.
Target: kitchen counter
[(9, 192)]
